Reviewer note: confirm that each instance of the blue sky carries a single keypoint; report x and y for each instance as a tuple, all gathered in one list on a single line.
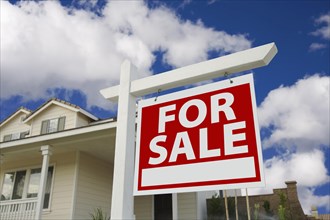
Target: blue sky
[(72, 49)]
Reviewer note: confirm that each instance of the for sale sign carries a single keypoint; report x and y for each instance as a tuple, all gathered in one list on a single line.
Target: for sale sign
[(204, 138)]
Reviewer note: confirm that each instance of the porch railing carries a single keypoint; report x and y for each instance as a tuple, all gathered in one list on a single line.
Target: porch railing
[(18, 209)]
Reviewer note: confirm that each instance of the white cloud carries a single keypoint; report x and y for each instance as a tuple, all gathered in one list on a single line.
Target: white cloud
[(307, 168), (297, 166), (297, 115), (324, 30), (45, 45), (317, 46), (297, 120), (308, 199)]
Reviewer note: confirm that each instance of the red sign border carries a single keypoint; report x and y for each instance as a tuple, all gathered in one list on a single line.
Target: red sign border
[(200, 186)]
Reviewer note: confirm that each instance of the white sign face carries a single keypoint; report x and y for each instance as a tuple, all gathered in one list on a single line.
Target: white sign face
[(204, 138)]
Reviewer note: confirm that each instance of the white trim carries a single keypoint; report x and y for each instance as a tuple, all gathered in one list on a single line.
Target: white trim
[(3, 181), (175, 210), (31, 129), (88, 114), (51, 189), (198, 205), (27, 180), (102, 121), (46, 152), (75, 120), (75, 184), (232, 63), (201, 211)]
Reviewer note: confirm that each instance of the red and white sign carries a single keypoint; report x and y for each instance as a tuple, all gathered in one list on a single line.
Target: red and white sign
[(204, 138)]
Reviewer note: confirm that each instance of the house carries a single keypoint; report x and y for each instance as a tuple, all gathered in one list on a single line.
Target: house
[(57, 163)]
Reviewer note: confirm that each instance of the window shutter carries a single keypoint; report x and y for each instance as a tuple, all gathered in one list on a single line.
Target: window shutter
[(44, 126), (7, 137), (61, 123)]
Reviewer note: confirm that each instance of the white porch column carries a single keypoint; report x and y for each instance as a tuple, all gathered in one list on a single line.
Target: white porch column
[(46, 152), (175, 206), (122, 204)]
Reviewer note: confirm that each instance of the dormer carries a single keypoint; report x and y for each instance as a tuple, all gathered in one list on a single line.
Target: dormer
[(13, 127), (57, 115)]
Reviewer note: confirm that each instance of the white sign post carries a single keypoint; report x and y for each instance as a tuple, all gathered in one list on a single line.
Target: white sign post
[(122, 192), (122, 203)]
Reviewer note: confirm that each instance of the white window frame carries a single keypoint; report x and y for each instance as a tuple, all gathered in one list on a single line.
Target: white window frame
[(17, 134), (27, 182), (47, 123)]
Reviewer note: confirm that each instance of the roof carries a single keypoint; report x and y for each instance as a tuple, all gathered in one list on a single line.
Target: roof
[(18, 111), (62, 103)]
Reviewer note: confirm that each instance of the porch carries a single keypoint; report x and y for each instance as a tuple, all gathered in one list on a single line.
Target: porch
[(18, 209), (79, 162)]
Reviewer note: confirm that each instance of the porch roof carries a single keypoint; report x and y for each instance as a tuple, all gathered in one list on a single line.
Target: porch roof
[(97, 139)]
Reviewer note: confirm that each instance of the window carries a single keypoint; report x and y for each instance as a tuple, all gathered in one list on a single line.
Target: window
[(25, 184), (15, 136), (52, 125), (7, 137), (34, 183)]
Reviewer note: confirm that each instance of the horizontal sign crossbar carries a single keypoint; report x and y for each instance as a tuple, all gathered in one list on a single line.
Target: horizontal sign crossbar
[(237, 62)]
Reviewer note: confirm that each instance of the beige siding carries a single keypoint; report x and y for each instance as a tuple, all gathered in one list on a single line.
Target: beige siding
[(143, 207), (15, 125), (82, 120), (63, 187), (53, 111), (61, 198), (94, 186), (187, 206), (15, 166)]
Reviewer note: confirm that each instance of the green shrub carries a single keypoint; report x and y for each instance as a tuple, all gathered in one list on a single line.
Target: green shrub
[(99, 215)]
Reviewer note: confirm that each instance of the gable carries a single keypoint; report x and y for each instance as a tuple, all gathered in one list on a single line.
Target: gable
[(21, 110), (53, 112), (14, 126), (63, 104)]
